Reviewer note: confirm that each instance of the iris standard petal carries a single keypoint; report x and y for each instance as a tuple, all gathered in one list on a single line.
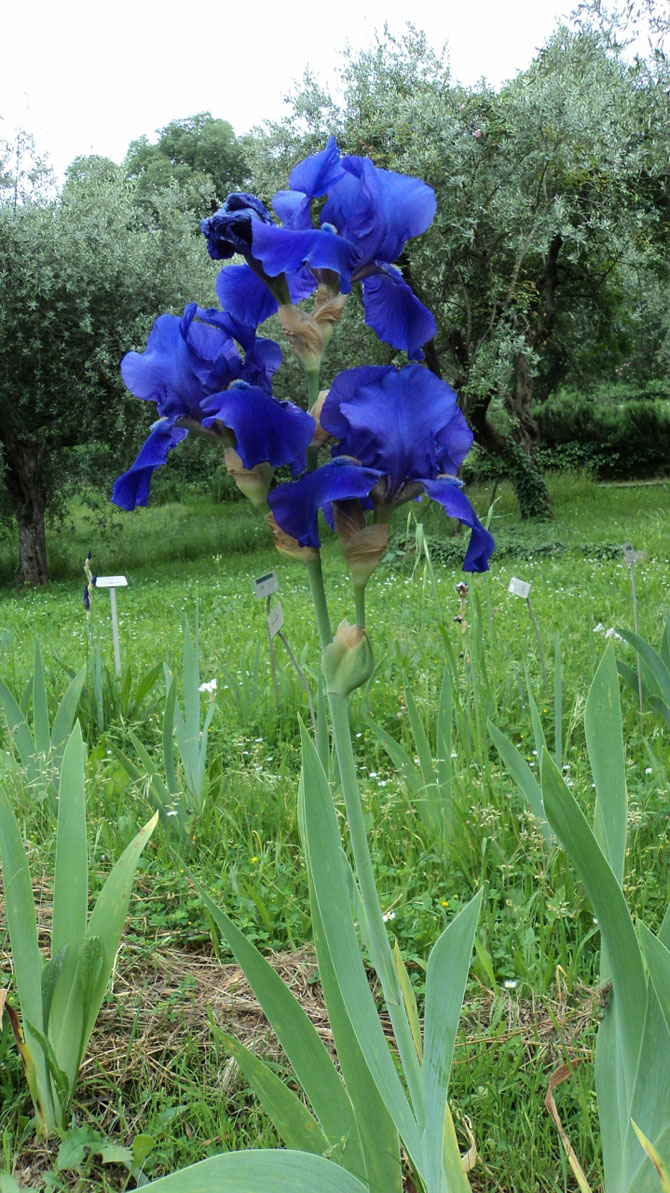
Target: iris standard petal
[(449, 494), (319, 172), (378, 209), (282, 251), (392, 420), (244, 295), (296, 505), (393, 310), (266, 431), (294, 209), (406, 205), (132, 487)]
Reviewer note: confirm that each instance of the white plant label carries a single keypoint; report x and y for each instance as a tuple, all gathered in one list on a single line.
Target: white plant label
[(630, 556), (275, 620), (264, 586), (519, 588), (111, 582)]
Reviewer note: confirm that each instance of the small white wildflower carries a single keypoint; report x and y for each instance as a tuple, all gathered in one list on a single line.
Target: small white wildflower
[(648, 770), (611, 633), (509, 984), (208, 687), (388, 915), (597, 628), (173, 812)]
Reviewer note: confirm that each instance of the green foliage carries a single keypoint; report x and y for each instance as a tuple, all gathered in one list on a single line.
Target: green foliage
[(60, 1000), (82, 278), (40, 749), (548, 250), (633, 1049), (198, 156)]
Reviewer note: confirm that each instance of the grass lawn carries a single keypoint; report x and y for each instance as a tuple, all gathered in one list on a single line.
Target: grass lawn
[(156, 1068)]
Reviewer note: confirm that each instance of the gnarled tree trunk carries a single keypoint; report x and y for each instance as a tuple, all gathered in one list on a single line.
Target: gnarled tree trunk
[(23, 478)]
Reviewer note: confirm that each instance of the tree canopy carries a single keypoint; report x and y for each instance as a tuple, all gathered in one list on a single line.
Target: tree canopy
[(199, 155), (81, 281)]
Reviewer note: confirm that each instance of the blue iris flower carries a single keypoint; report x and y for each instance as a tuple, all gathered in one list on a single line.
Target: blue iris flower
[(194, 372), (399, 433), (366, 221)]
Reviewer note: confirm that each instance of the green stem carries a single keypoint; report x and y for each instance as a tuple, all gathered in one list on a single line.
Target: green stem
[(312, 386), (359, 598), (319, 600), (380, 949)]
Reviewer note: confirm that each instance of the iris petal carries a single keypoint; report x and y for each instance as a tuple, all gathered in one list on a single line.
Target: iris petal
[(132, 487), (447, 491), (378, 209), (395, 313), (283, 251), (244, 295), (296, 506), (319, 172), (265, 430), (406, 423), (293, 209)]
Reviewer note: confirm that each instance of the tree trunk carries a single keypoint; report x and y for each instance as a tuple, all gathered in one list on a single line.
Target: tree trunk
[(519, 405), (515, 464), (23, 478)]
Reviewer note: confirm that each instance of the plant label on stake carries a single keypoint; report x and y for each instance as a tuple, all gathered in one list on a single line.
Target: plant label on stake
[(521, 588), (275, 620), (265, 585), (630, 558), (112, 583)]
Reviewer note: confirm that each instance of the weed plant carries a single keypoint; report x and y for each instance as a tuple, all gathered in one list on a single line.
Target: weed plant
[(531, 1002)]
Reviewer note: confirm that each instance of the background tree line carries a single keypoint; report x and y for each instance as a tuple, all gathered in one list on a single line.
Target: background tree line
[(547, 265)]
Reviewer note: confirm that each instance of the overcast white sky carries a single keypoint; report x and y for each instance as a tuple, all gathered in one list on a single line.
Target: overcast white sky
[(86, 77)]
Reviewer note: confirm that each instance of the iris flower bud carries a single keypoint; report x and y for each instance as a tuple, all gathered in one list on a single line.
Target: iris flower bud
[(347, 660)]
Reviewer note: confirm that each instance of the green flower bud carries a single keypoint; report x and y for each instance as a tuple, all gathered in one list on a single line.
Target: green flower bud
[(347, 660)]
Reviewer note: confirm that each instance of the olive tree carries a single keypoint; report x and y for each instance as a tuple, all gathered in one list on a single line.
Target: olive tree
[(82, 278)]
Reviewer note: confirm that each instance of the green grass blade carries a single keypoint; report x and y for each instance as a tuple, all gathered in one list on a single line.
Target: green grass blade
[(538, 731), (604, 740), (399, 757), (523, 777), (665, 644), (19, 730), (409, 999), (169, 714), (616, 927), (373, 1147), (558, 704), (67, 709), (41, 732), (293, 1121), (421, 745), (322, 734), (444, 745), (108, 917), (657, 957), (261, 1172), (327, 867), (297, 1035), (22, 926), (656, 666), (446, 977), (70, 906)]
